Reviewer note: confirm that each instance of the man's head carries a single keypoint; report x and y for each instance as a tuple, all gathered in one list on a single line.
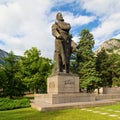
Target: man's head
[(59, 17)]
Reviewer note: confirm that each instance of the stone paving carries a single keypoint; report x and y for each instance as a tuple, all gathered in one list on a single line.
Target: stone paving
[(104, 111)]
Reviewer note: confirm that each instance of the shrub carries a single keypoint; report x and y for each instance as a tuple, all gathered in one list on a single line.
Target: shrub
[(9, 104)]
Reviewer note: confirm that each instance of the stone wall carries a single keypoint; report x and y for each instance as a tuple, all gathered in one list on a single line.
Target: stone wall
[(64, 98), (113, 90)]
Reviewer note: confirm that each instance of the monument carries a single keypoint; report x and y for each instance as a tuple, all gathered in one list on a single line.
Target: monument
[(61, 80), (62, 85)]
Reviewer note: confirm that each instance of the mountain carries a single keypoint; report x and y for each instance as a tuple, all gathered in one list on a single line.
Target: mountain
[(2, 55), (111, 46)]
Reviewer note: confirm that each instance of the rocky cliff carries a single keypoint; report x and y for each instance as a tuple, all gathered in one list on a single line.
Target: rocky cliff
[(111, 46)]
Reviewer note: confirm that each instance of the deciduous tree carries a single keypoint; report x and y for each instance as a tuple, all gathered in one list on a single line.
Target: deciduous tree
[(34, 70)]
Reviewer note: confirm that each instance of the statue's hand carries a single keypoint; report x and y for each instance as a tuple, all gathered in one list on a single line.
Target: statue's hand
[(59, 37)]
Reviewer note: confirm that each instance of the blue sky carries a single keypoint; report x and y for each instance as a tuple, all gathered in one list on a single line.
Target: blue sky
[(27, 23)]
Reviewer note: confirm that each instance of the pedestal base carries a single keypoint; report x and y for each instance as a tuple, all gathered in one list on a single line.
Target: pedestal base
[(62, 89), (63, 83), (64, 98)]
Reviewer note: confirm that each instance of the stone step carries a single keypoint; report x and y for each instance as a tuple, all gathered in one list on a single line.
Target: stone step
[(50, 107)]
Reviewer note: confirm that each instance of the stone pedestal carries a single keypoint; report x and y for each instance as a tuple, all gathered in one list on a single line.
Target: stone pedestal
[(63, 88), (64, 98), (62, 93), (63, 83)]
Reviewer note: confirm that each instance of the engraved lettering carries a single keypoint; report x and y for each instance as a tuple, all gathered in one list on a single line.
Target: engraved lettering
[(69, 82)]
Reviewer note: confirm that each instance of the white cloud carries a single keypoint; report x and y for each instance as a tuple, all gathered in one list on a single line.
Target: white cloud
[(101, 7), (27, 23), (107, 30), (78, 19), (12, 43), (117, 36), (24, 24), (107, 27), (108, 13)]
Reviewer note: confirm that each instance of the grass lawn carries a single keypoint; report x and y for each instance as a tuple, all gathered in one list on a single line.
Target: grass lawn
[(97, 113)]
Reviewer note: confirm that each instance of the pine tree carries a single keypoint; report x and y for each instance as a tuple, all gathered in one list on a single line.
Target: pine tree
[(114, 69), (86, 67), (103, 68), (108, 68), (12, 85)]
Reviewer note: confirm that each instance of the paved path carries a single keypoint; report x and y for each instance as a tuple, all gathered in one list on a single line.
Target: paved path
[(104, 111)]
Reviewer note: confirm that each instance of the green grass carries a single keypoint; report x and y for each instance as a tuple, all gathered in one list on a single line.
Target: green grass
[(70, 114), (114, 107)]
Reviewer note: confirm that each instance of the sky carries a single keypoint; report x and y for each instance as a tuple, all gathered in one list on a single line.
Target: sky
[(27, 23)]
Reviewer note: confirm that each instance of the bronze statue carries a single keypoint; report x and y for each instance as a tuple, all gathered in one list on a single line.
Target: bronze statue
[(63, 45)]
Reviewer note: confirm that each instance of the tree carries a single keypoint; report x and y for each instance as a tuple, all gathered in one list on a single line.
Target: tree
[(114, 69), (103, 68), (108, 68), (2, 77), (12, 86), (85, 60), (34, 70), (73, 63)]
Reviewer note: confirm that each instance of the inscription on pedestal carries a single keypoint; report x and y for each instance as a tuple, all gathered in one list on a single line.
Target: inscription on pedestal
[(63, 84), (69, 82)]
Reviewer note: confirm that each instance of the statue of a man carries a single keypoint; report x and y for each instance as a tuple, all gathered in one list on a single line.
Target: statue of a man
[(63, 49)]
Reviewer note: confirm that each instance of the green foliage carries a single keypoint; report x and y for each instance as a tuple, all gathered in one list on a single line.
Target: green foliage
[(90, 83), (12, 86), (89, 79), (28, 73), (34, 70), (85, 62), (102, 66), (86, 40), (1, 78), (77, 114), (114, 69), (108, 68), (9, 104)]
